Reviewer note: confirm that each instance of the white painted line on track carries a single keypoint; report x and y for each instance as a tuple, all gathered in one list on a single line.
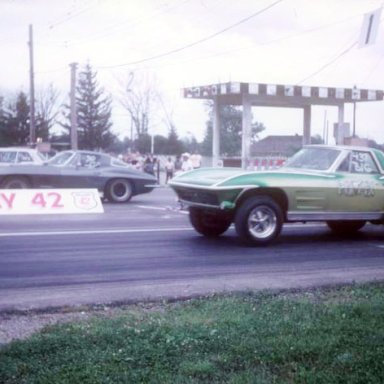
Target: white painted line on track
[(167, 209), (114, 231), (93, 232)]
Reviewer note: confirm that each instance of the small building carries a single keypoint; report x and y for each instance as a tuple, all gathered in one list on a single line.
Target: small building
[(268, 153), (277, 146)]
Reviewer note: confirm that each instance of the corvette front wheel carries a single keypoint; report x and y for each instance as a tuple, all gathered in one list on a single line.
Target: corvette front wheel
[(258, 220)]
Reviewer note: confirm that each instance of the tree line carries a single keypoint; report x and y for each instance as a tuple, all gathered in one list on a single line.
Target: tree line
[(141, 100)]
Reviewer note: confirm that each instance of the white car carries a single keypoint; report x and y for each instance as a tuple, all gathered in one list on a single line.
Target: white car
[(13, 155)]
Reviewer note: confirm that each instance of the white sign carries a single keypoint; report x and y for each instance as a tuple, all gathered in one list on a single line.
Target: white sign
[(49, 201), (271, 89), (369, 28)]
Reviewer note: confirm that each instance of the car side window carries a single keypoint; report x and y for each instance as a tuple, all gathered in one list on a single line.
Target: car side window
[(89, 161), (24, 157), (7, 157), (359, 162)]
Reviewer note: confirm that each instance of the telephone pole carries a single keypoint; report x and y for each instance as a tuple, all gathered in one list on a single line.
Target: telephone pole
[(73, 132), (32, 123)]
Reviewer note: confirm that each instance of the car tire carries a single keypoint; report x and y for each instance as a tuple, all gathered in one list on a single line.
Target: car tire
[(258, 221), (346, 227), (209, 224), (15, 182), (119, 191)]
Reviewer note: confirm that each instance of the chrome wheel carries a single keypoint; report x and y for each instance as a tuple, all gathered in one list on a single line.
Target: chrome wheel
[(262, 222), (258, 220)]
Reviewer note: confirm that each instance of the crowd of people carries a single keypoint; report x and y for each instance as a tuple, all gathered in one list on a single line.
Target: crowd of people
[(171, 165)]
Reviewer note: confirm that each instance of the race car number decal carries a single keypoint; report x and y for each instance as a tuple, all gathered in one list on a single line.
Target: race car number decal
[(357, 188)]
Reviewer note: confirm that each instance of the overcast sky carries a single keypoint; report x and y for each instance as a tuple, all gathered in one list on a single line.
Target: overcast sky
[(198, 42)]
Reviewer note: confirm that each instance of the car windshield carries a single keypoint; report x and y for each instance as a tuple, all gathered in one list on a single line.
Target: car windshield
[(61, 158), (319, 159), (40, 156)]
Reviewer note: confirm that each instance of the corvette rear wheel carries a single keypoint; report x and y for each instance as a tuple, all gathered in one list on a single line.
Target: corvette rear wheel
[(258, 220), (209, 224), (119, 191), (15, 182), (346, 227)]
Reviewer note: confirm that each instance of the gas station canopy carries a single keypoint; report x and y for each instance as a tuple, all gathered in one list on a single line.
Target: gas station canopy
[(249, 95), (278, 95)]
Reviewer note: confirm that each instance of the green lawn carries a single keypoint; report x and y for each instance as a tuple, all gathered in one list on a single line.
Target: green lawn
[(317, 336)]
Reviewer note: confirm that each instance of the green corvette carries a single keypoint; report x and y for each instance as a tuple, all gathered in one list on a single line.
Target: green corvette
[(340, 185)]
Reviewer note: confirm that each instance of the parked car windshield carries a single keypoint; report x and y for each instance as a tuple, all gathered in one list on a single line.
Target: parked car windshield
[(319, 159)]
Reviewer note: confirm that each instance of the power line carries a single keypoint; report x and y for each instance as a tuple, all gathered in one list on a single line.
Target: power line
[(341, 54), (273, 41), (110, 30), (70, 15), (373, 69), (176, 50), (116, 27)]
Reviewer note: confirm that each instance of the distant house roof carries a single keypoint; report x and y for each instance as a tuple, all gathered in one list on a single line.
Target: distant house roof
[(277, 146)]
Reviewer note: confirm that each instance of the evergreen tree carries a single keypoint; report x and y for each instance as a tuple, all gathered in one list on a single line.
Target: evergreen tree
[(14, 122), (143, 143), (21, 122), (93, 113), (3, 124), (174, 145)]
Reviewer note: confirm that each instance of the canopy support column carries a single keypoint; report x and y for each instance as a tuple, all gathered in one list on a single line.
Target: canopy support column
[(246, 132), (216, 133), (307, 125), (340, 129)]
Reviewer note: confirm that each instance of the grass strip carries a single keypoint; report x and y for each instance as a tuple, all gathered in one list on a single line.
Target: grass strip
[(317, 336)]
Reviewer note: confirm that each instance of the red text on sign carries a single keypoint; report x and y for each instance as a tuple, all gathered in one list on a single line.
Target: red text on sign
[(6, 200), (52, 199)]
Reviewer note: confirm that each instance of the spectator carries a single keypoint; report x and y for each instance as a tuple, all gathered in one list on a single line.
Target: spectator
[(149, 166), (156, 168), (169, 169), (196, 160), (178, 163), (186, 164)]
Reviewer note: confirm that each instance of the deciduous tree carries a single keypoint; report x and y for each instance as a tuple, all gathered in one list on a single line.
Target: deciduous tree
[(230, 131)]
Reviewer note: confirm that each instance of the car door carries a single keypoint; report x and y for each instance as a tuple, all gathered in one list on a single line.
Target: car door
[(82, 172), (360, 185)]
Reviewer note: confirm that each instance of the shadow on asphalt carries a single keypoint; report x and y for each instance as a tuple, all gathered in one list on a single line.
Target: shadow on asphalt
[(303, 237)]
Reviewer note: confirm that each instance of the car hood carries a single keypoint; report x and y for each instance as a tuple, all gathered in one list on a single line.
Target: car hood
[(208, 177), (237, 177)]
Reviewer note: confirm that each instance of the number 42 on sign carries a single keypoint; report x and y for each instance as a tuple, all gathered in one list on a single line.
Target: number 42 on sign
[(49, 201)]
